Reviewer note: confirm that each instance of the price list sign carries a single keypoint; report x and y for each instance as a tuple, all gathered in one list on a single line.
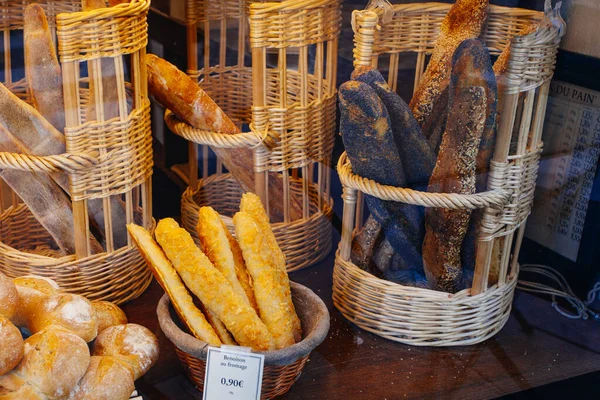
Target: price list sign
[(233, 373), (567, 169)]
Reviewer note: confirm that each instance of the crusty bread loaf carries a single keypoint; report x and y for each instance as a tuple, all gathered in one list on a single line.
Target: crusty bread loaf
[(455, 170), (464, 21), (271, 283), (171, 283), (180, 94), (31, 290), (213, 237), (364, 243), (108, 314), (9, 298), (13, 387), (130, 343), (54, 361), (106, 378), (70, 311), (42, 69), (211, 287), (11, 345)]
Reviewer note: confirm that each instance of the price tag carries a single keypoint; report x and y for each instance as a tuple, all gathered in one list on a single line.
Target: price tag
[(233, 372)]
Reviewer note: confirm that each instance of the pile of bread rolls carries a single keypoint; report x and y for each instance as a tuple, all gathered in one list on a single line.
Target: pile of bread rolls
[(55, 362), (242, 286)]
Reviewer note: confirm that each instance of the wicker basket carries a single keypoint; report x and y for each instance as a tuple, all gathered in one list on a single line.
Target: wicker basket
[(104, 159), (425, 317), (295, 107), (282, 367)]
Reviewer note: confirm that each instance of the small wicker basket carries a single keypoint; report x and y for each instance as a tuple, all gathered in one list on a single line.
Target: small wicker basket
[(282, 367), (425, 317), (104, 159), (296, 107)]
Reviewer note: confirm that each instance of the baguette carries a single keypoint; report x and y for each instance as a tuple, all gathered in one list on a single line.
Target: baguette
[(42, 68), (211, 287), (213, 237), (368, 138), (271, 284), (171, 283), (180, 94), (365, 242), (455, 171), (464, 21)]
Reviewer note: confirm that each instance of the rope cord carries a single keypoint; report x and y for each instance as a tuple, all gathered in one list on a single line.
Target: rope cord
[(582, 308)]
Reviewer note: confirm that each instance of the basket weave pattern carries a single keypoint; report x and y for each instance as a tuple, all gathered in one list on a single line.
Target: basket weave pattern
[(420, 316), (103, 158)]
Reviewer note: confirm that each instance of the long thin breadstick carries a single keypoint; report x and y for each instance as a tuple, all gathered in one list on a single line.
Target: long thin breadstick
[(180, 94), (213, 236), (240, 268), (167, 277), (218, 326), (271, 286), (211, 287), (42, 69)]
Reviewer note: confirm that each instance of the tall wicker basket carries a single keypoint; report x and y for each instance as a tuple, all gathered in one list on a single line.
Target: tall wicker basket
[(425, 317), (294, 107), (104, 159)]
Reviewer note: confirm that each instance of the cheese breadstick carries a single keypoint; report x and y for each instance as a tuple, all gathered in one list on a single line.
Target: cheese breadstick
[(271, 284), (213, 236), (211, 287), (218, 326), (240, 268), (167, 277)]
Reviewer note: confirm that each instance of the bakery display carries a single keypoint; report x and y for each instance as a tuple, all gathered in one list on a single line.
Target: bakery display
[(54, 361), (224, 312)]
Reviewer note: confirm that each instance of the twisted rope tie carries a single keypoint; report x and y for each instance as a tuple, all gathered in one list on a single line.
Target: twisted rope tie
[(68, 162)]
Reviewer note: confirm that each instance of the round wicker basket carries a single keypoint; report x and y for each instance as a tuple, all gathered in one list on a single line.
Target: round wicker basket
[(424, 317), (108, 160), (282, 367)]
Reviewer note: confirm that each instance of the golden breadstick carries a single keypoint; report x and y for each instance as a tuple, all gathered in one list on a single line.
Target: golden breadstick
[(271, 284), (213, 236), (211, 287), (252, 205), (167, 277), (217, 325), (240, 268)]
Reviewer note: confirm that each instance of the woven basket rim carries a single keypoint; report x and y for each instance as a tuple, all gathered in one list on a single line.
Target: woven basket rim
[(314, 307)]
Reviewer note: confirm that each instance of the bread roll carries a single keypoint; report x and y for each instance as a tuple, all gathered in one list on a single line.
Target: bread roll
[(54, 361), (213, 236), (70, 311), (9, 298), (171, 283), (211, 287), (13, 387), (106, 378), (108, 314), (11, 345), (271, 283), (130, 343), (31, 290)]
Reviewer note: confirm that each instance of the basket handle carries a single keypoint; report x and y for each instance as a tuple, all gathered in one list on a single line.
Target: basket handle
[(67, 162), (221, 140), (489, 198)]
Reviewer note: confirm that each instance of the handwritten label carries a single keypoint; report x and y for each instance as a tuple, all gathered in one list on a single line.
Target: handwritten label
[(233, 372), (567, 169)]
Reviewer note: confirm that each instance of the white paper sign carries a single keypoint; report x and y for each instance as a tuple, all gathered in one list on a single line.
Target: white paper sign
[(567, 169), (233, 373)]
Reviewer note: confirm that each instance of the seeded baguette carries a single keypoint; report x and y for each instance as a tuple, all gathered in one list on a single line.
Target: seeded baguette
[(211, 287)]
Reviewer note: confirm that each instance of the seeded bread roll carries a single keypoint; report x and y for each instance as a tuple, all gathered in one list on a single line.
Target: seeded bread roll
[(130, 343), (106, 378), (11, 345), (31, 290), (464, 21), (9, 298), (54, 361), (70, 311), (108, 314)]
